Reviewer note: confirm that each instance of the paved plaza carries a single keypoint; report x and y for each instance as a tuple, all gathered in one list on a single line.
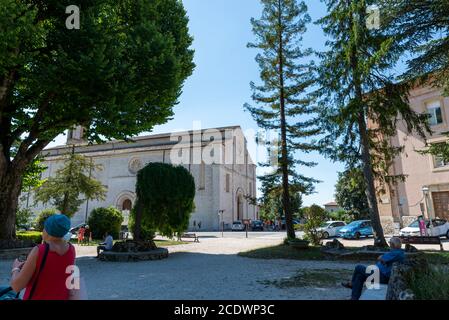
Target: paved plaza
[(210, 269)]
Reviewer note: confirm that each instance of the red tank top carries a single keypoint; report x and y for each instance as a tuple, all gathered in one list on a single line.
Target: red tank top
[(52, 279)]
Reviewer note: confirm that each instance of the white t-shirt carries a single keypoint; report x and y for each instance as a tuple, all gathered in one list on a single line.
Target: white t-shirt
[(108, 242)]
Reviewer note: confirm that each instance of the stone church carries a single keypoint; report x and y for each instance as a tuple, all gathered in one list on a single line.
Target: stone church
[(218, 159)]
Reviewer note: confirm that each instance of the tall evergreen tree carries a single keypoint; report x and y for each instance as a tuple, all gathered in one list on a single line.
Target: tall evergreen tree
[(423, 27), (357, 86), (282, 104)]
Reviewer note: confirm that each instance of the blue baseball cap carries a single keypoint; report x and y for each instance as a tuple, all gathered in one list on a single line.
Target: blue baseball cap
[(57, 225)]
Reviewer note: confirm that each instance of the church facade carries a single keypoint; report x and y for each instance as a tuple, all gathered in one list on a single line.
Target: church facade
[(218, 159)]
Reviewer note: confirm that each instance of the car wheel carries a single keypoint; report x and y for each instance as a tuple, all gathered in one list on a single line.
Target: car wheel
[(357, 235), (447, 234), (325, 235)]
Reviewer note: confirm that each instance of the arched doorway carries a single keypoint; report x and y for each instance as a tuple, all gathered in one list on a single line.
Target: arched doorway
[(127, 205)]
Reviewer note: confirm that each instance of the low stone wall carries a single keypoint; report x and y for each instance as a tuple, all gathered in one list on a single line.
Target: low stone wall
[(388, 225), (11, 254), (398, 288), (156, 254)]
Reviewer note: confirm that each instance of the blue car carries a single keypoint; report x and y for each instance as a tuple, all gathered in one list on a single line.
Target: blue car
[(356, 229)]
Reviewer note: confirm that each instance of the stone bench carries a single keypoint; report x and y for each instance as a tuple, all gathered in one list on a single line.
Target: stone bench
[(375, 294), (156, 254), (189, 235)]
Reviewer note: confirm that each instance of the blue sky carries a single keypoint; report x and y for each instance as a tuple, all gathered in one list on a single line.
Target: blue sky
[(219, 87)]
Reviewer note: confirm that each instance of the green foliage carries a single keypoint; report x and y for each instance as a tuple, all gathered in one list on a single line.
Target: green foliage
[(350, 193), (342, 215), (102, 220), (34, 236), (147, 231), (23, 217), (165, 196), (431, 285), (271, 204), (356, 83), (315, 216), (119, 75), (65, 188), (42, 216), (423, 29), (282, 101)]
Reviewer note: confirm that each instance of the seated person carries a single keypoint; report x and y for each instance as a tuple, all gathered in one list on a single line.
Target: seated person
[(106, 245), (384, 263)]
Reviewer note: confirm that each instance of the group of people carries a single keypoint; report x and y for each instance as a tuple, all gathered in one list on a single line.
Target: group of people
[(44, 275), (84, 235)]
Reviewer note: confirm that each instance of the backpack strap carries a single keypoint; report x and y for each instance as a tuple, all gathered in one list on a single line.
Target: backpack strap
[(44, 258)]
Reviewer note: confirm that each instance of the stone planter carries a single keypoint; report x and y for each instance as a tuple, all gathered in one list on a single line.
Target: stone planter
[(299, 244)]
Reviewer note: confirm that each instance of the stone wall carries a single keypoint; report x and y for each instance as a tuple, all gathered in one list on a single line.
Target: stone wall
[(388, 225)]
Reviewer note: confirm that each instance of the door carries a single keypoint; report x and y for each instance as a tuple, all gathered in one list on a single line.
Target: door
[(441, 204)]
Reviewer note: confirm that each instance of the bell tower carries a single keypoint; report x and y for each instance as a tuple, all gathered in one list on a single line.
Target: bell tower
[(75, 135)]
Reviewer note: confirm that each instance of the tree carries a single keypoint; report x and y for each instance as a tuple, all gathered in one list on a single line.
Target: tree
[(72, 185), (350, 193), (285, 70), (165, 199), (315, 216), (423, 28), (102, 220), (357, 85), (271, 204), (118, 75)]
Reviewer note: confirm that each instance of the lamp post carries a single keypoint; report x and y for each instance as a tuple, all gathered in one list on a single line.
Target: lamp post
[(220, 215)]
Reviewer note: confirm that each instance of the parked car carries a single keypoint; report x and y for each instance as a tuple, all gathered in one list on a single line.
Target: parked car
[(257, 225), (356, 229), (440, 227), (330, 228), (238, 226)]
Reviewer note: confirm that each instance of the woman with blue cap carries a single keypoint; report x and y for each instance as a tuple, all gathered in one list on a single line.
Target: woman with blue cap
[(45, 272)]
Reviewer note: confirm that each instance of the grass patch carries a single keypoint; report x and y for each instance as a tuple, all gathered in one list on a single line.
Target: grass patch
[(284, 251), (167, 243), (437, 257), (311, 278), (432, 285)]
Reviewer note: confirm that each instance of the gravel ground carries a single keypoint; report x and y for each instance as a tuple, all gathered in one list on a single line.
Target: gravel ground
[(206, 270)]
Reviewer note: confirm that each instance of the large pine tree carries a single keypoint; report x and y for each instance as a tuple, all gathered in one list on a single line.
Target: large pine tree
[(282, 103), (423, 27), (357, 85)]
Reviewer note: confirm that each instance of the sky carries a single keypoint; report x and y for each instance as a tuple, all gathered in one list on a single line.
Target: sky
[(219, 87)]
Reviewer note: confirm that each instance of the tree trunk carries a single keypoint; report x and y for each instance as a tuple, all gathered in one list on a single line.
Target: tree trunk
[(10, 186), (137, 222), (284, 150), (379, 238)]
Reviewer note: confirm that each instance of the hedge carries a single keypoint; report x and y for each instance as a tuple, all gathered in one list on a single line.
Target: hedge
[(34, 236)]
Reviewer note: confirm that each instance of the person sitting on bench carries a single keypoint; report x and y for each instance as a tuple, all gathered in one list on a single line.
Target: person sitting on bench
[(384, 263), (106, 245)]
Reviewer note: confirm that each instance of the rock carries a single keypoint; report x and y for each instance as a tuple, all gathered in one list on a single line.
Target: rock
[(410, 248), (398, 287), (334, 244)]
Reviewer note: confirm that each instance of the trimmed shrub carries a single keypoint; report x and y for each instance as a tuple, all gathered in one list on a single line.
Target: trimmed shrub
[(147, 233), (43, 215), (102, 220), (23, 217), (315, 216), (34, 236)]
